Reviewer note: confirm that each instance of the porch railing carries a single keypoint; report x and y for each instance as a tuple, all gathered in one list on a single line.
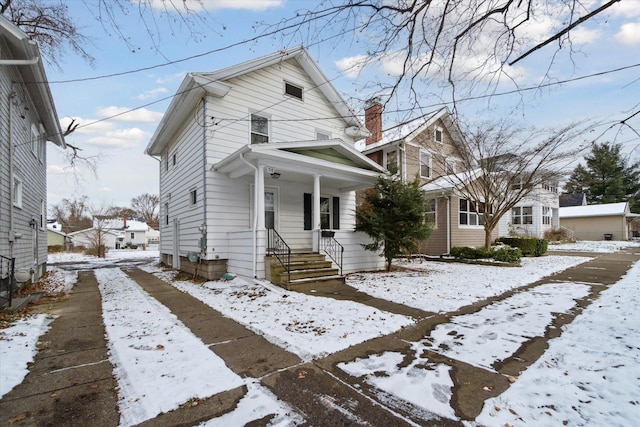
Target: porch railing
[(330, 246), (7, 278), (277, 247)]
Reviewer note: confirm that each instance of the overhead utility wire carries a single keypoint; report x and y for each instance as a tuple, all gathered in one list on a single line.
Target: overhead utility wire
[(200, 55), (392, 111)]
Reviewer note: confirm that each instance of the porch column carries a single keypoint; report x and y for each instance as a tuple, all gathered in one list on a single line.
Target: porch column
[(316, 211), (259, 198)]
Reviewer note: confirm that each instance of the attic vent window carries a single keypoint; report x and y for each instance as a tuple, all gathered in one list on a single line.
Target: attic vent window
[(438, 134), (293, 90)]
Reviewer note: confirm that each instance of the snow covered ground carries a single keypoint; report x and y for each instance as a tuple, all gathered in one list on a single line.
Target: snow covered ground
[(574, 370), (601, 246)]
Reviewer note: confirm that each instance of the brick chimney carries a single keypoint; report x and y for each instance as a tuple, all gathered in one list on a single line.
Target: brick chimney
[(124, 217), (373, 120)]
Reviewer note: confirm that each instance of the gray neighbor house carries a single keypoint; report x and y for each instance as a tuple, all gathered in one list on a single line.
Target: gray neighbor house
[(29, 121)]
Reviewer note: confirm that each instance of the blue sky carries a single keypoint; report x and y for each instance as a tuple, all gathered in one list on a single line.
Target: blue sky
[(125, 172)]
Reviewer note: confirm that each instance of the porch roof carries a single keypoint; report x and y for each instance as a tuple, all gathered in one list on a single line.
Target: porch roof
[(339, 164)]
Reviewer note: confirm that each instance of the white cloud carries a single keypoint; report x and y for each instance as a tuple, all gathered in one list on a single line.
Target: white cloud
[(58, 170), (203, 5), (124, 114), (352, 66), (170, 78), (87, 126), (626, 9), (629, 34), (584, 35), (120, 138), (152, 93)]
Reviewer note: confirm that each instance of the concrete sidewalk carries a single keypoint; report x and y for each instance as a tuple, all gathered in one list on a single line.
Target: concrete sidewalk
[(71, 380)]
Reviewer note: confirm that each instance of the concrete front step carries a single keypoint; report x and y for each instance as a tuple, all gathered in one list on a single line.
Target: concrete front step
[(311, 283), (307, 273), (305, 269)]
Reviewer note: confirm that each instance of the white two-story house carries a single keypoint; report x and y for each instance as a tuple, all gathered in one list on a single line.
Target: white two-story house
[(257, 159), (29, 121)]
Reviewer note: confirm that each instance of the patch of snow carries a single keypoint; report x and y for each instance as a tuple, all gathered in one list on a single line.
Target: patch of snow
[(153, 352), (443, 287), (589, 375), (18, 349), (603, 246)]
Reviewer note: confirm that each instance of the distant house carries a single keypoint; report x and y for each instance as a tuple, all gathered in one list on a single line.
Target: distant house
[(573, 199), (118, 233), (535, 214), (29, 120), (55, 236), (609, 221), (255, 161), (86, 238), (427, 149)]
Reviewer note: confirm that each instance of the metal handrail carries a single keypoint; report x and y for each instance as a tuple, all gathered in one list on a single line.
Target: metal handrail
[(332, 248), (7, 278), (277, 247)]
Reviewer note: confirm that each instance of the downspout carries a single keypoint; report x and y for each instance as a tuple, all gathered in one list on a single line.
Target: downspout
[(10, 99), (255, 211), (203, 250), (448, 224)]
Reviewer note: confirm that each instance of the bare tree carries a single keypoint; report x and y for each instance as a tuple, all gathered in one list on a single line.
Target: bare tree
[(146, 206), (503, 163), (49, 24), (447, 50), (72, 214), (98, 234)]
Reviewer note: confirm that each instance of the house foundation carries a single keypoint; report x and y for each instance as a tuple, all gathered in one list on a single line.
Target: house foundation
[(208, 269)]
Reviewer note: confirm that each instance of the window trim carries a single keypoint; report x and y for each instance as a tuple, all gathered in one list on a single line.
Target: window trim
[(193, 196), (320, 132), (429, 165), (17, 192), (386, 155), (433, 212), (166, 213), (518, 216), (436, 130), (547, 215), (470, 212), (288, 84), (251, 131), (43, 220)]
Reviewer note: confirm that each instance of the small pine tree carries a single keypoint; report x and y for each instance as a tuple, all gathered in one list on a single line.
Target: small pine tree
[(392, 214)]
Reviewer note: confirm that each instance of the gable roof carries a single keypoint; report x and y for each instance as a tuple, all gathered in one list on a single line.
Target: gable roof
[(606, 209), (572, 199), (450, 183), (408, 131), (196, 85), (338, 162), (24, 54)]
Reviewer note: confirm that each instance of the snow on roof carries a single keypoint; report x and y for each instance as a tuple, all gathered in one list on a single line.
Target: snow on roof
[(451, 182), (607, 209)]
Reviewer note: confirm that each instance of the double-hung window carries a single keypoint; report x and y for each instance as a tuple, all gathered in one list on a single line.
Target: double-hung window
[(430, 211), (392, 161), (546, 215), (259, 129), (438, 134), (17, 192), (425, 164), (522, 215)]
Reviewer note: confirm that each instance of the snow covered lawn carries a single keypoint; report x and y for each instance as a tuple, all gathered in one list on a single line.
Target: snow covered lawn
[(588, 376), (444, 287), (308, 326)]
